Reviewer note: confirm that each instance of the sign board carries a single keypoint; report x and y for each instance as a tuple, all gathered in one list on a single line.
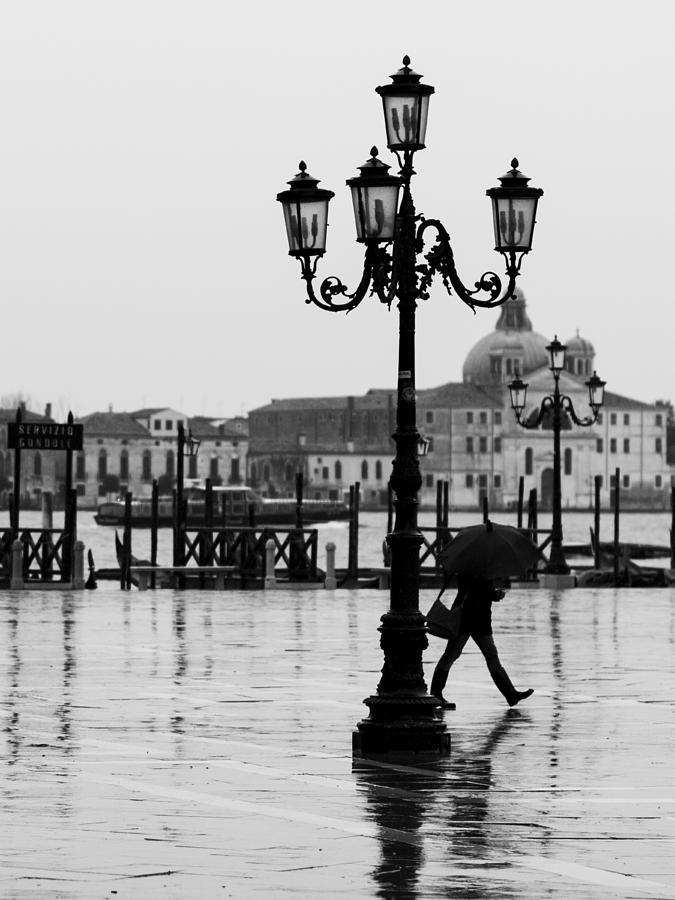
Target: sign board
[(44, 436)]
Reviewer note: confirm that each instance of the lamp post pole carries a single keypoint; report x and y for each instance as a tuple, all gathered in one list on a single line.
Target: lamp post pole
[(555, 404), (403, 718), (557, 564), (180, 482)]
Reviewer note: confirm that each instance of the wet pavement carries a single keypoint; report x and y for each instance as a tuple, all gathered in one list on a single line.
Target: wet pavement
[(193, 744)]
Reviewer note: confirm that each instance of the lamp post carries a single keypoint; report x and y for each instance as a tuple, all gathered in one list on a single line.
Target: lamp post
[(554, 404), (403, 717), (187, 446)]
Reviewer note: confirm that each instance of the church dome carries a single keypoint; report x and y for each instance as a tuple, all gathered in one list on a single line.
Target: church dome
[(512, 345), (580, 355), (579, 346)]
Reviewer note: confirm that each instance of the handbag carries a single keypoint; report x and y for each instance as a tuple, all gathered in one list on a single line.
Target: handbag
[(443, 622)]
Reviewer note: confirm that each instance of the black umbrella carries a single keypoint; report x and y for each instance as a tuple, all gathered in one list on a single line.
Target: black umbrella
[(491, 551)]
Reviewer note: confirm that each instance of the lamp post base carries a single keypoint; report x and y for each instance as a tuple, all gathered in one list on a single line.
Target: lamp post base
[(401, 728)]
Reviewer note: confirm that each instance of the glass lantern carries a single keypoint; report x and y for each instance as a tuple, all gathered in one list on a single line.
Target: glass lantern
[(305, 209), (375, 200)]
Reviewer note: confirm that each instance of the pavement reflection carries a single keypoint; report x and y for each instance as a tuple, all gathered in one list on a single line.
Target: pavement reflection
[(198, 744)]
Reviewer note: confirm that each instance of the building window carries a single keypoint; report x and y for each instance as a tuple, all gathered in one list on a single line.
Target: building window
[(626, 419), (124, 465), (192, 467), (568, 461), (612, 480), (658, 420), (599, 418), (529, 461), (612, 419), (482, 481), (498, 418), (325, 473), (338, 470), (158, 424), (102, 464), (364, 470), (497, 445), (483, 417), (626, 481), (658, 481), (80, 467), (600, 479), (430, 417), (469, 445), (469, 480), (266, 472), (469, 418), (612, 445), (497, 481), (658, 445), (146, 466), (429, 480), (168, 425), (170, 463), (81, 490), (288, 476), (37, 464), (213, 468), (482, 444), (626, 445), (378, 470), (599, 445)]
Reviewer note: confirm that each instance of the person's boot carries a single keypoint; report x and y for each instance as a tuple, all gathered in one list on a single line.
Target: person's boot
[(437, 684), (503, 682)]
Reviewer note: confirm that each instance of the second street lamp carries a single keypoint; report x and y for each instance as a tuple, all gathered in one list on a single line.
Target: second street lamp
[(403, 717), (187, 446), (551, 409)]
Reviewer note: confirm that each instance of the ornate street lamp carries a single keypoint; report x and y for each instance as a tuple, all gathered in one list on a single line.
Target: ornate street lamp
[(187, 446), (403, 717), (554, 404)]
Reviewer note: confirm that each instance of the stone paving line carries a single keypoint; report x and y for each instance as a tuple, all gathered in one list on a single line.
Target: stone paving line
[(198, 744)]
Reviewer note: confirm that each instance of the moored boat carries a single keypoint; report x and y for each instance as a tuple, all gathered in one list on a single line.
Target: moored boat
[(232, 505)]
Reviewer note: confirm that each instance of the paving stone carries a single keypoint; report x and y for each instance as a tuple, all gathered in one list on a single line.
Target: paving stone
[(168, 744)]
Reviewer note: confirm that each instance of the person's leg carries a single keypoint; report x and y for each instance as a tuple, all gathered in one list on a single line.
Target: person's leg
[(452, 653), (499, 675)]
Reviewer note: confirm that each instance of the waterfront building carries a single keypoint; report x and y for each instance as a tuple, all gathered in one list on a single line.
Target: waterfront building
[(41, 471), (475, 443), (333, 441), (126, 451)]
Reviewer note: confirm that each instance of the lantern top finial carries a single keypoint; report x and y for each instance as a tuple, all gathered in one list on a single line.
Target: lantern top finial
[(514, 177), (407, 76)]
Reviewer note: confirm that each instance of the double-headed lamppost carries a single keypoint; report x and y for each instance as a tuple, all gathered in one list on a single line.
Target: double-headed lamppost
[(187, 446), (403, 717), (553, 406)]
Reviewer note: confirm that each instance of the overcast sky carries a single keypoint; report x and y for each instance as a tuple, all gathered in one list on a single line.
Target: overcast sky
[(143, 259)]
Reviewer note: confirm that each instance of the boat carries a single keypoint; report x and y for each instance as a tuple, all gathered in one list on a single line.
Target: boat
[(232, 505)]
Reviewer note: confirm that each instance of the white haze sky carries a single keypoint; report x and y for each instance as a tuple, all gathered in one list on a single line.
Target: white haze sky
[(143, 259)]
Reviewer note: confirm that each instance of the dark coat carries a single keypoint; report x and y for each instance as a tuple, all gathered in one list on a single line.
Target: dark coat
[(477, 596)]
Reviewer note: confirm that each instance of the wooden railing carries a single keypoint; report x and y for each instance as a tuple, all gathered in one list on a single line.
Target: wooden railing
[(295, 549)]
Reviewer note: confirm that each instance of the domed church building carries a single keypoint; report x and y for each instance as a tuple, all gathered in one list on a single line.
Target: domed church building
[(480, 450)]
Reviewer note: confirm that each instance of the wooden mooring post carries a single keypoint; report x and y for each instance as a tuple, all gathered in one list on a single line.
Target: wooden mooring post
[(125, 563), (617, 489), (154, 526), (596, 520), (353, 548), (521, 497)]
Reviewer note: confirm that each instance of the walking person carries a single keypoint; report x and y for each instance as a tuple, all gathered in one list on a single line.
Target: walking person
[(476, 596)]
